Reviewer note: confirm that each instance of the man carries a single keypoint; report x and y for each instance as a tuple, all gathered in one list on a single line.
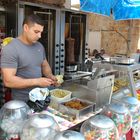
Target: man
[(23, 62)]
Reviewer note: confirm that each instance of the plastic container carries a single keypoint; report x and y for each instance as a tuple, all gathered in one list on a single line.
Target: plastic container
[(99, 127), (60, 95)]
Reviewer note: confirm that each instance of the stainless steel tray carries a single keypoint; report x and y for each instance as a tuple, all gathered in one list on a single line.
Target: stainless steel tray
[(77, 113), (124, 61)]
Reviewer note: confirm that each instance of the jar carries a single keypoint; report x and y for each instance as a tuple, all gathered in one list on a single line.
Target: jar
[(99, 127), (120, 114), (133, 105), (12, 116), (39, 127)]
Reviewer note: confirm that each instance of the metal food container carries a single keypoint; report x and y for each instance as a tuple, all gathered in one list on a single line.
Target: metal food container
[(71, 68), (120, 60), (77, 113)]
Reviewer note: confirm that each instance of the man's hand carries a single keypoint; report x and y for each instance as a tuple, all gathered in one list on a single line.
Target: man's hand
[(58, 79), (44, 82), (54, 79)]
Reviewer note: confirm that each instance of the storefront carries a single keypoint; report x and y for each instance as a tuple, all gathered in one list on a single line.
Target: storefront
[(91, 87)]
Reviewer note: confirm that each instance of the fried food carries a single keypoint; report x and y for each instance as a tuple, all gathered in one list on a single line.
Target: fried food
[(75, 104), (59, 79), (59, 93)]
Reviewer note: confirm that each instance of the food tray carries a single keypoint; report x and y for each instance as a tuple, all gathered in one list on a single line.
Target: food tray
[(58, 98), (89, 107), (123, 61)]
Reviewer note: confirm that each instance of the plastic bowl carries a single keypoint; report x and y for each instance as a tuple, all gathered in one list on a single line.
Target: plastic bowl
[(60, 95)]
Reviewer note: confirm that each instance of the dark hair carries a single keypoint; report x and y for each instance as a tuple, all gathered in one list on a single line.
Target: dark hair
[(31, 19)]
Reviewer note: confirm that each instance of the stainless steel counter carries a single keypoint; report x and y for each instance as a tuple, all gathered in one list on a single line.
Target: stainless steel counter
[(78, 88), (97, 93)]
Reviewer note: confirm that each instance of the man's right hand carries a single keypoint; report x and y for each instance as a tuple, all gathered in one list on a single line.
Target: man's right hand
[(44, 82)]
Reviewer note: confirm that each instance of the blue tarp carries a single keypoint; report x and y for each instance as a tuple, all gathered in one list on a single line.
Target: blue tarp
[(121, 9)]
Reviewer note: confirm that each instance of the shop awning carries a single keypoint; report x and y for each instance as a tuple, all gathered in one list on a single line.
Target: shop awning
[(119, 9)]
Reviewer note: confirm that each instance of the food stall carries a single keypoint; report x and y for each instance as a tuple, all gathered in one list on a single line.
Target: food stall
[(83, 93)]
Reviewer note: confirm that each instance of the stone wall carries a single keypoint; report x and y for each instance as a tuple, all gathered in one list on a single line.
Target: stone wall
[(116, 36)]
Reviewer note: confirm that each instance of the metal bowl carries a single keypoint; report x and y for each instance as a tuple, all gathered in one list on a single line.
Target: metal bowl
[(71, 68)]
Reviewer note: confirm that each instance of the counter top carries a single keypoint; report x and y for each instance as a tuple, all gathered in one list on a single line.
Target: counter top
[(65, 124)]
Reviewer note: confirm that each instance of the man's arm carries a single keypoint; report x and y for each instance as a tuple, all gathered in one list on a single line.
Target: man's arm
[(12, 81), (46, 70)]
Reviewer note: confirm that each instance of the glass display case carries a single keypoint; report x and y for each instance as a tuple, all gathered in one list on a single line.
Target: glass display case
[(128, 81)]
